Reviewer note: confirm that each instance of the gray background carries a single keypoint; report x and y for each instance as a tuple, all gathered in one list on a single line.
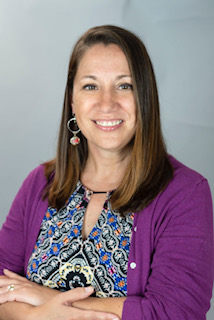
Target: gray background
[(36, 38)]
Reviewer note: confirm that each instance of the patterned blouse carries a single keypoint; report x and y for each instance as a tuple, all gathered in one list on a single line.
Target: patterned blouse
[(62, 259)]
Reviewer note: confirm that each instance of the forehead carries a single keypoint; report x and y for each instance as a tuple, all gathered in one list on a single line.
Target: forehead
[(101, 56)]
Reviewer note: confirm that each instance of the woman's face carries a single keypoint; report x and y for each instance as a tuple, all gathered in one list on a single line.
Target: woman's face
[(103, 99)]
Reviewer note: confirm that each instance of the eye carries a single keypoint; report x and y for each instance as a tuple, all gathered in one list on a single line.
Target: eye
[(126, 86), (90, 87)]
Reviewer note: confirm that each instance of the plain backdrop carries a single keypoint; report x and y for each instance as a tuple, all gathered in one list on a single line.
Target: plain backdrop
[(36, 38)]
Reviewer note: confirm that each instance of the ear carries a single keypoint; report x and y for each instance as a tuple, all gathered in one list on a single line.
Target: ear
[(72, 108), (71, 103)]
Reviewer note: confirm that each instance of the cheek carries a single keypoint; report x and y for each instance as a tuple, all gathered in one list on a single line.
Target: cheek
[(133, 112), (135, 119), (76, 107)]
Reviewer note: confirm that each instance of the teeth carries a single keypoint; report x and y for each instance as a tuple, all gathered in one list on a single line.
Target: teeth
[(108, 123)]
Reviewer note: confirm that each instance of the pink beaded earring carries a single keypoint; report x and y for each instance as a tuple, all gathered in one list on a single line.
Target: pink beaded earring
[(74, 140)]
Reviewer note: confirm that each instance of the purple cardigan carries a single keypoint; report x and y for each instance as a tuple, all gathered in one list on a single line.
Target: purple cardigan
[(170, 269)]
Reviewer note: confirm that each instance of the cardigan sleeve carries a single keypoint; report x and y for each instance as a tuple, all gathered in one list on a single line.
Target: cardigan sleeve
[(180, 280), (14, 233)]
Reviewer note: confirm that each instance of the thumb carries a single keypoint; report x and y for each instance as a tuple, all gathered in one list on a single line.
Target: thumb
[(75, 294)]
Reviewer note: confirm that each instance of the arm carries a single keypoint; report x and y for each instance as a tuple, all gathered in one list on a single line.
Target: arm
[(179, 284), (12, 248), (113, 305), (14, 311), (35, 295), (30, 301), (20, 230), (24, 291), (59, 307)]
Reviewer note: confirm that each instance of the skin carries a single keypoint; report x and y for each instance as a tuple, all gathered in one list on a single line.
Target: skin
[(30, 301), (104, 105), (103, 92)]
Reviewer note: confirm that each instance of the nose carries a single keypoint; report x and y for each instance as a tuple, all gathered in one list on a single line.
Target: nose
[(107, 102)]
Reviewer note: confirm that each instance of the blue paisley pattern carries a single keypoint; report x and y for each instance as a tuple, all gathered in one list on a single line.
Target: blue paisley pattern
[(62, 259)]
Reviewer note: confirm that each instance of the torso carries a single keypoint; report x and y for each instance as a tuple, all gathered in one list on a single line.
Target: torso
[(84, 243)]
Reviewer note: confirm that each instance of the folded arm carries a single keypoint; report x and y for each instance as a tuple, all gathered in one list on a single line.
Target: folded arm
[(59, 307), (27, 295)]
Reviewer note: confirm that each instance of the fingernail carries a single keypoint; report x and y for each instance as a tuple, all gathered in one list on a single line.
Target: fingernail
[(89, 289)]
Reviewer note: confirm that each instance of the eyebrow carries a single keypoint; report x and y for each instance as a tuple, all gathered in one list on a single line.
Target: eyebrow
[(89, 76)]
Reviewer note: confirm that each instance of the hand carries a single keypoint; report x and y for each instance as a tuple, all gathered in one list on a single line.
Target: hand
[(24, 290), (60, 308)]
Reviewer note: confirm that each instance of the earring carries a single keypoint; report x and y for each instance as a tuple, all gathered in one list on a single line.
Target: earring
[(74, 140)]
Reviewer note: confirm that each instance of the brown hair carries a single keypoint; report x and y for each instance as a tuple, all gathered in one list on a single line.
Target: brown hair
[(149, 170)]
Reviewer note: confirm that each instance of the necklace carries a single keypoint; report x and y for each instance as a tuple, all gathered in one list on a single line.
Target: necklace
[(99, 192)]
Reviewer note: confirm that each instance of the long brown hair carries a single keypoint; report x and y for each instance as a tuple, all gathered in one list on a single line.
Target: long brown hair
[(149, 170)]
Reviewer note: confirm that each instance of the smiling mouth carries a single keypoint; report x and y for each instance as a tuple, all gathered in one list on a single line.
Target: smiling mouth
[(105, 123)]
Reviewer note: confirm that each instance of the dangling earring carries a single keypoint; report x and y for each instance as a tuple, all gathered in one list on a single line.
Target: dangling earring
[(74, 140)]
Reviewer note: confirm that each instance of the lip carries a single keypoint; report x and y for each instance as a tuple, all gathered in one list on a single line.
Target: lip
[(108, 124)]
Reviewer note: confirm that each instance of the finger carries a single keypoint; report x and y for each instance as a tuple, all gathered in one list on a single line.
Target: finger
[(8, 296), (3, 279), (75, 294), (8, 281), (93, 315), (3, 289), (12, 275)]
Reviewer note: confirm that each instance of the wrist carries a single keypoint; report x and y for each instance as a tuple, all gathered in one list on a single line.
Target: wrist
[(15, 311)]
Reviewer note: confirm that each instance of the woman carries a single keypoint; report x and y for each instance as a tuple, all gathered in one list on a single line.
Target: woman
[(112, 213)]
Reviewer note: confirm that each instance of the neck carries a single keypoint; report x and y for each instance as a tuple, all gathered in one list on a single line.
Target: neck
[(104, 170)]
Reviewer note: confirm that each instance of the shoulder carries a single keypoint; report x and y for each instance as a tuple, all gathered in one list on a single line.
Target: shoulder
[(185, 182), (34, 184), (187, 187), (184, 175), (36, 176), (182, 171)]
